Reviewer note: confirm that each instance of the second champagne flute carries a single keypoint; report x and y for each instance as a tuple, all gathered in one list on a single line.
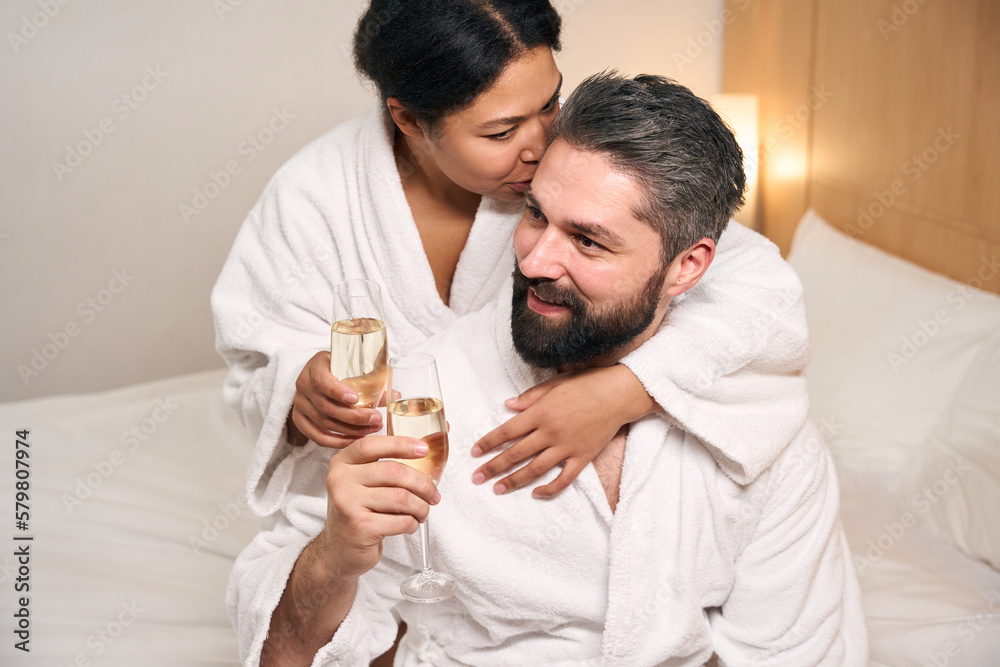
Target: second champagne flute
[(358, 340), (416, 410)]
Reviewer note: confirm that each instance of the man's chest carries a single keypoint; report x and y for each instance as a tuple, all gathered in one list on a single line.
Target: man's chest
[(608, 464)]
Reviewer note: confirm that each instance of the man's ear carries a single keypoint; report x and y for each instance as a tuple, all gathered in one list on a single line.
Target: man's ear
[(689, 266), (404, 120)]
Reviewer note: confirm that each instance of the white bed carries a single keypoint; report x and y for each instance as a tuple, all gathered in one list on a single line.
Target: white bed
[(158, 534), (145, 557)]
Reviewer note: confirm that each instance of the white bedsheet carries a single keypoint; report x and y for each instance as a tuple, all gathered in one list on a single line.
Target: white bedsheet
[(925, 602), (124, 561)]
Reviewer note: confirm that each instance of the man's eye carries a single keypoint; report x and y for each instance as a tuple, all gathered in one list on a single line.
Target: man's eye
[(502, 135), (553, 103), (589, 243), (535, 213)]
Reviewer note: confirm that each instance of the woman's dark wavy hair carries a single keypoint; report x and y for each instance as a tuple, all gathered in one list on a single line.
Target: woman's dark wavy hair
[(437, 56), (671, 141)]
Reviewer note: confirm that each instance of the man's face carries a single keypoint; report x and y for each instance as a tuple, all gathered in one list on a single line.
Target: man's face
[(589, 276)]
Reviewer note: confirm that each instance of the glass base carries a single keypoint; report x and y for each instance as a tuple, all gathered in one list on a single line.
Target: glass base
[(428, 587)]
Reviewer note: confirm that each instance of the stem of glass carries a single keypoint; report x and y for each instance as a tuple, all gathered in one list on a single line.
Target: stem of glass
[(425, 547)]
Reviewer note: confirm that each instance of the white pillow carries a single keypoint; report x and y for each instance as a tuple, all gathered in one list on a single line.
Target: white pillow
[(955, 483), (891, 342)]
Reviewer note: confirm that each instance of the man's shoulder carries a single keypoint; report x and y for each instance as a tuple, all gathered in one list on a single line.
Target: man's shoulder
[(805, 465)]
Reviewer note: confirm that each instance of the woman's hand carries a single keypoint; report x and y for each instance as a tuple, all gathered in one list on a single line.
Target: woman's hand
[(569, 418), (324, 409)]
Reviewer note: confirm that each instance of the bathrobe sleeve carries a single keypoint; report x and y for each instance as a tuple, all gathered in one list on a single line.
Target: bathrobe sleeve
[(261, 573), (726, 364), (267, 312), (795, 599), (269, 322)]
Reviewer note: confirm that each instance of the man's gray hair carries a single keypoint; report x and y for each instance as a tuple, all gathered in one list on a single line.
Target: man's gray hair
[(672, 142)]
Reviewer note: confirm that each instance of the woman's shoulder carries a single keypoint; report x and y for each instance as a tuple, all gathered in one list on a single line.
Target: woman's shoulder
[(325, 161), (312, 192)]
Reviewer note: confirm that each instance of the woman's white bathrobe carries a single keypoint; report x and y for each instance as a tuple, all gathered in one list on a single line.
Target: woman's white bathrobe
[(337, 210), (689, 563)]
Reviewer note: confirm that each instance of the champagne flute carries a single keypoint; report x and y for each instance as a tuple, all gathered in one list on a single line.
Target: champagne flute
[(358, 340), (416, 410)]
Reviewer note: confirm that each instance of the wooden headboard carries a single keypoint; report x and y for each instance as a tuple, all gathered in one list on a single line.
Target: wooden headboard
[(884, 116)]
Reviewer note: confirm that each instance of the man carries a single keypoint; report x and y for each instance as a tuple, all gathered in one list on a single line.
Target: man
[(654, 555)]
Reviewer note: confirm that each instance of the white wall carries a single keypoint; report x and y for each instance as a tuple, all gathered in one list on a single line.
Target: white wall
[(222, 69)]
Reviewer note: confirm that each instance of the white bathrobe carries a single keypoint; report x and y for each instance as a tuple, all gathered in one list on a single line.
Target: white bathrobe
[(337, 210), (690, 563)]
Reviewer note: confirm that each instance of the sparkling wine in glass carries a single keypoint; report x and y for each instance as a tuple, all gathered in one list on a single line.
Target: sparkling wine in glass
[(416, 410), (358, 340)]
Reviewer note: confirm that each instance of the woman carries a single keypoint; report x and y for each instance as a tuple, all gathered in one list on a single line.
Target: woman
[(422, 197)]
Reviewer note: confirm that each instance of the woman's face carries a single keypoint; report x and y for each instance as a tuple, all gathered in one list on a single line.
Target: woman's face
[(493, 147)]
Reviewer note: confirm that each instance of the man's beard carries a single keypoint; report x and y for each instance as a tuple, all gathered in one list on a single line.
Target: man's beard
[(585, 335)]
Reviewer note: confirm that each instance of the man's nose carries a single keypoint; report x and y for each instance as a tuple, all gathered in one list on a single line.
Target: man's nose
[(545, 258), (534, 134)]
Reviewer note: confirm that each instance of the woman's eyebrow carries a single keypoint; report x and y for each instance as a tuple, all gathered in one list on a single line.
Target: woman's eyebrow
[(499, 122), (555, 95)]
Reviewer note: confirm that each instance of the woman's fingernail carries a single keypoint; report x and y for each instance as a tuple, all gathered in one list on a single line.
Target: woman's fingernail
[(437, 498), (476, 451), (510, 401), (499, 488), (351, 398), (420, 447), (478, 478), (376, 419)]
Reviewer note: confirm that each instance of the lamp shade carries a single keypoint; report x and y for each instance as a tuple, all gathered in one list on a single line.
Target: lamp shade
[(741, 112)]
